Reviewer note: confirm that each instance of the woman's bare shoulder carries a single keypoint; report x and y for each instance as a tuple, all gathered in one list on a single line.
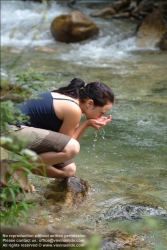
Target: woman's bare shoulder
[(65, 106)]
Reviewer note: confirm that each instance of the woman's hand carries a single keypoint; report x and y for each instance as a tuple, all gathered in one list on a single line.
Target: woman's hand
[(99, 122)]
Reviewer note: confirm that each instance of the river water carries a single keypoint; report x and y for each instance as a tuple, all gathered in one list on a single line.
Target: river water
[(126, 162)]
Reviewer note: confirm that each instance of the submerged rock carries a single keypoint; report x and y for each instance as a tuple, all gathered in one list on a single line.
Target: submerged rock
[(117, 240), (68, 191), (133, 212)]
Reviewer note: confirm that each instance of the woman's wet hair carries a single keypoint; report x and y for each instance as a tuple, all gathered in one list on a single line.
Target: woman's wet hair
[(99, 92)]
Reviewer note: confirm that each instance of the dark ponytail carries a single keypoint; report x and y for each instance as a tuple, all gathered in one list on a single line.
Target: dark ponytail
[(72, 89), (99, 92)]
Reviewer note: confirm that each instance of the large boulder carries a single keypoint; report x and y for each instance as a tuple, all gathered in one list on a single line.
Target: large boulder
[(151, 30), (73, 27)]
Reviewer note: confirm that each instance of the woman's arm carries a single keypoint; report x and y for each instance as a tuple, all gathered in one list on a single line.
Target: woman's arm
[(94, 123), (79, 131), (71, 118)]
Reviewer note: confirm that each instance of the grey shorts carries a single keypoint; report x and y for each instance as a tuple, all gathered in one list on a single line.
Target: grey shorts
[(40, 140)]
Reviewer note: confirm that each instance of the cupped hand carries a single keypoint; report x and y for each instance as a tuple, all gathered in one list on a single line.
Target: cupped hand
[(99, 122)]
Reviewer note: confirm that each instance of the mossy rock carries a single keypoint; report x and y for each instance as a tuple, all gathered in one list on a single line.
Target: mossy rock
[(12, 92)]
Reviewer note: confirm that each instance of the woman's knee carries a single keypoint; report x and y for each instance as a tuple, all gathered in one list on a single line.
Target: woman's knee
[(72, 148)]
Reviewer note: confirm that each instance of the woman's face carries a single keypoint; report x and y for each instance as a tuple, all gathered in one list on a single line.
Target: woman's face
[(93, 112)]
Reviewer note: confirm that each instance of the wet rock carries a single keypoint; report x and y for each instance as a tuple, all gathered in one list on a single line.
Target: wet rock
[(143, 9), (107, 11), (121, 5), (68, 191), (73, 27), (151, 30), (115, 9), (132, 212), (137, 9), (163, 42), (152, 15), (122, 15), (45, 49), (122, 219), (120, 240)]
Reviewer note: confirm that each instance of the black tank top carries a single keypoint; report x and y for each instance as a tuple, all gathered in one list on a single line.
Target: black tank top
[(41, 112)]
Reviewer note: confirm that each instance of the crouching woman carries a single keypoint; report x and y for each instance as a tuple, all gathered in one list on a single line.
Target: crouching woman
[(54, 128)]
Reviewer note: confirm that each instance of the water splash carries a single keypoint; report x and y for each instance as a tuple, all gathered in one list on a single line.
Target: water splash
[(102, 133), (94, 144)]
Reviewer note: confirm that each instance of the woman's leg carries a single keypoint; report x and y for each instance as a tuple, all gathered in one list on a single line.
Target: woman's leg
[(52, 148), (45, 160), (53, 172), (51, 158)]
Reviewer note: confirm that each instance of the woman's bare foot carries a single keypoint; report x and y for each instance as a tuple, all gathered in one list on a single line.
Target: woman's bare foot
[(22, 180), (18, 176), (3, 183)]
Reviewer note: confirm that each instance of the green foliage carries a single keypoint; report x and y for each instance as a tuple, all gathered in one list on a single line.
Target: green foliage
[(24, 86), (8, 114), (29, 80), (17, 212)]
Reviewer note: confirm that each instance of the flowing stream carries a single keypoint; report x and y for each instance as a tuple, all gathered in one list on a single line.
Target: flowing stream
[(126, 162)]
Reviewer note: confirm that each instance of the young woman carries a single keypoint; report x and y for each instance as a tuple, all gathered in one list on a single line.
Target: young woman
[(53, 130)]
